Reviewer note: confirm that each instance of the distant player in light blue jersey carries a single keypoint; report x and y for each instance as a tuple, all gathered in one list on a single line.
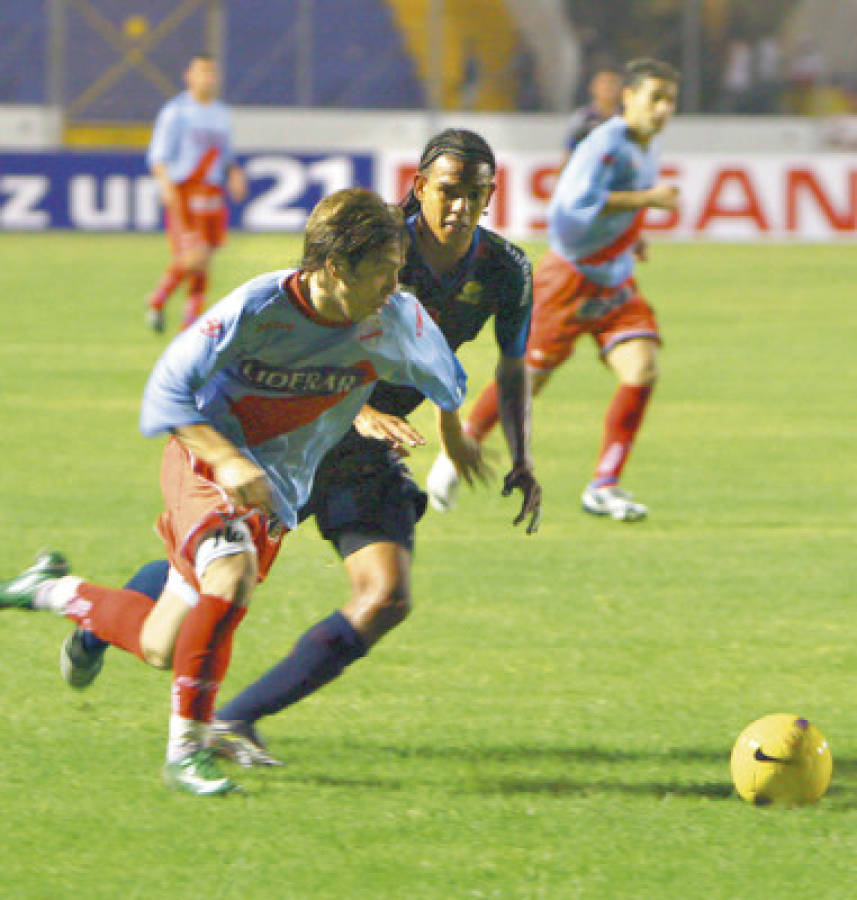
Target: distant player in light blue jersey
[(191, 157), (253, 396), (584, 283)]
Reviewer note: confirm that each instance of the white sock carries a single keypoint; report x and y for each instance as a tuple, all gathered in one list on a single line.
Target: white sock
[(54, 595), (186, 737)]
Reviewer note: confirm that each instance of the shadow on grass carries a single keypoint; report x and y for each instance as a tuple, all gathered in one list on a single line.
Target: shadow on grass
[(846, 767), (510, 786), (481, 780), (715, 790), (842, 794), (517, 753)]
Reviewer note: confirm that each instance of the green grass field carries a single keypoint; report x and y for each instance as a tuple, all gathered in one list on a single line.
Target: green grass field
[(555, 719)]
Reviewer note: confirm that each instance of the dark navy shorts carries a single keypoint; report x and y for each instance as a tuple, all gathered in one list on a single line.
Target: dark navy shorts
[(365, 501)]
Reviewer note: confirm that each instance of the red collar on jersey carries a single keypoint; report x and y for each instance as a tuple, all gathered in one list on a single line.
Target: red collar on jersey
[(292, 287)]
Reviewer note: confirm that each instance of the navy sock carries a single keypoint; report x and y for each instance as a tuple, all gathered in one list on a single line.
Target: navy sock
[(317, 658), (149, 580)]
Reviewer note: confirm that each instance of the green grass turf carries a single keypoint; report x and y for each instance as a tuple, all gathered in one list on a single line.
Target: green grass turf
[(556, 717)]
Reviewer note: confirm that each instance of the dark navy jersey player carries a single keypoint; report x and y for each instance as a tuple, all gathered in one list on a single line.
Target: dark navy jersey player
[(364, 499), (492, 279)]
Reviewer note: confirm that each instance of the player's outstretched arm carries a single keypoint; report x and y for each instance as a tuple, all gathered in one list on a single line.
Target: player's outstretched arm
[(662, 196), (515, 401), (236, 183), (169, 193)]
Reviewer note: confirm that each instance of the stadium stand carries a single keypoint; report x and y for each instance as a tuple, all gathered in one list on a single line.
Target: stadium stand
[(357, 56), (325, 53), (479, 40), (23, 51)]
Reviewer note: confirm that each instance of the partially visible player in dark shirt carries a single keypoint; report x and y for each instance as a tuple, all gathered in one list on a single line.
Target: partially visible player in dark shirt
[(364, 500), (605, 91), (492, 279)]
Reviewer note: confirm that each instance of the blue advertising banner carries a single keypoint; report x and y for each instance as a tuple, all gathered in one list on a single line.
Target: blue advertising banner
[(114, 191)]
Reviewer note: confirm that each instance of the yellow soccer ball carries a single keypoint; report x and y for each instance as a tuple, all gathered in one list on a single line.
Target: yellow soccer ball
[(781, 759)]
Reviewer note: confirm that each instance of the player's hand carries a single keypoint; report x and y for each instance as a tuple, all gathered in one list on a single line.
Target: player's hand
[(246, 484), (236, 184), (395, 431), (641, 250), (522, 478), (663, 196), (466, 455), (193, 251), (169, 196)]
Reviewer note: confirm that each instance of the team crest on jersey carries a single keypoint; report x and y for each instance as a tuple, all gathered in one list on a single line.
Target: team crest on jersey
[(470, 293), (211, 327)]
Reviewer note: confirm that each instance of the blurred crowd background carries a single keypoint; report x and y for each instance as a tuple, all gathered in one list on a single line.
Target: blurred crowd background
[(116, 60), (745, 56)]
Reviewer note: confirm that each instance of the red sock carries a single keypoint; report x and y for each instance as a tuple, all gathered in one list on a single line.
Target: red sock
[(195, 298), (202, 654), (623, 419), (485, 413), (112, 614), (170, 280)]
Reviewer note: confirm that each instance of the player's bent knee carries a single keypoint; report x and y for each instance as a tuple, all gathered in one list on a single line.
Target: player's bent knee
[(634, 362), (388, 608), (197, 261), (374, 614), (157, 644), (396, 607), (647, 373), (155, 656), (161, 628)]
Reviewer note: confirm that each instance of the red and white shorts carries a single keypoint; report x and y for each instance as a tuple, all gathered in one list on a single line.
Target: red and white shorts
[(203, 217), (196, 505), (566, 305)]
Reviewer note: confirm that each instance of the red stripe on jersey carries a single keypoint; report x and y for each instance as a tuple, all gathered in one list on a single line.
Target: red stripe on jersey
[(625, 240), (264, 418), (203, 167)]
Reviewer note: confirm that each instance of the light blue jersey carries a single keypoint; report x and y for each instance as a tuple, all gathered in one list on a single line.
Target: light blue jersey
[(193, 139), (600, 245), (283, 385)]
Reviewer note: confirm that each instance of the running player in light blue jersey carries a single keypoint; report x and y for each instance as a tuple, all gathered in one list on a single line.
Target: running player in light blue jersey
[(584, 283), (364, 499), (191, 157), (270, 374), (253, 396)]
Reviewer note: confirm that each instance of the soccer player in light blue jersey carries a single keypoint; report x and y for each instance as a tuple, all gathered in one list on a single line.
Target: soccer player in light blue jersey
[(585, 282), (253, 396), (191, 157), (364, 499)]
